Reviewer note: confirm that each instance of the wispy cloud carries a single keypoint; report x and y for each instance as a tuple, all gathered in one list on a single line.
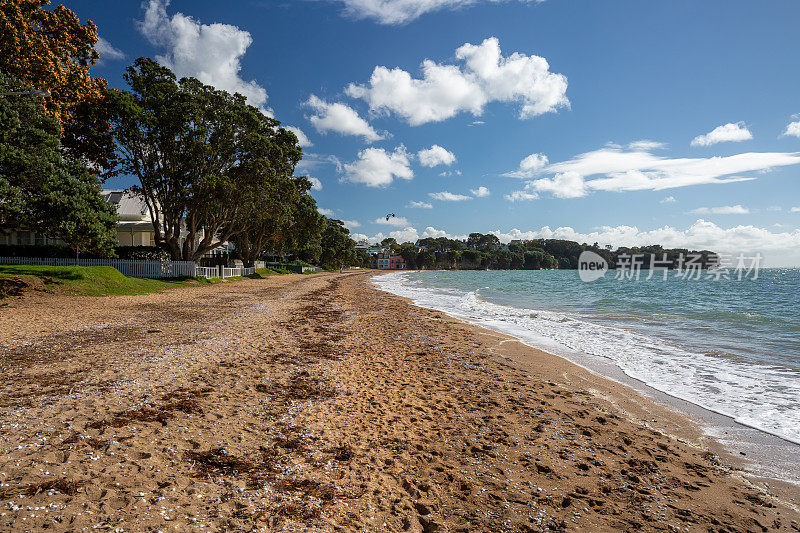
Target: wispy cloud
[(721, 210), (446, 196), (521, 196), (646, 145), (395, 12), (635, 170), (107, 51), (392, 221)]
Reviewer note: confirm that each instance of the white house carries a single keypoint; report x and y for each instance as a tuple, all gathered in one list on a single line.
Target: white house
[(134, 227)]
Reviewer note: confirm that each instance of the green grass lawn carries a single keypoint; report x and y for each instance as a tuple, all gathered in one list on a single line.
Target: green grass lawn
[(104, 280), (91, 281)]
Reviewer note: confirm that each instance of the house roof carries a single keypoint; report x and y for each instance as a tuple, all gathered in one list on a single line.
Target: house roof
[(129, 206)]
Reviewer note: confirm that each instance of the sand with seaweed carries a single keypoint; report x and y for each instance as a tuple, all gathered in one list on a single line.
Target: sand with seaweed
[(320, 402)]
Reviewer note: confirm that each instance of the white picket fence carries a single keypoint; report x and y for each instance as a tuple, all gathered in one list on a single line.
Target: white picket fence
[(208, 272), (128, 267), (237, 271), (141, 269)]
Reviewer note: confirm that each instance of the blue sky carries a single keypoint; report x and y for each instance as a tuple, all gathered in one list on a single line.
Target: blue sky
[(383, 89)]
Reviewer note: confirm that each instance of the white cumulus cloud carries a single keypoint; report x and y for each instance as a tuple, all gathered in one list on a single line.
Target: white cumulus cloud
[(375, 167), (408, 234), (326, 212), (722, 210), (446, 90), (731, 132), (351, 224), (563, 185), (528, 167), (793, 129), (209, 52), (339, 118), (432, 232), (446, 196), (480, 192), (419, 205), (436, 155)]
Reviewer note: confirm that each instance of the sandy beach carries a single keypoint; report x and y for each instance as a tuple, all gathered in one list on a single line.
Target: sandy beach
[(319, 403)]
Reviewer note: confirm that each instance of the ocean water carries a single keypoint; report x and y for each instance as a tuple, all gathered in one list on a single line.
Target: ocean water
[(732, 347)]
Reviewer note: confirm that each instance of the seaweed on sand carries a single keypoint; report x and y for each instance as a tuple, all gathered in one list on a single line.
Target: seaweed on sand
[(62, 485)]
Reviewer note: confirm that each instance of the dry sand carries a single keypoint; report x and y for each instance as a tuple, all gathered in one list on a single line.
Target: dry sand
[(318, 403)]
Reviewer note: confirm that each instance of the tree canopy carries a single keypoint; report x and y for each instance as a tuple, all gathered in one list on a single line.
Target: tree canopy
[(210, 167), (41, 188), (50, 49)]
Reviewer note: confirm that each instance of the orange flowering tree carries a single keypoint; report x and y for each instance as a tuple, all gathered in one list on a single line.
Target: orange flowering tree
[(49, 49)]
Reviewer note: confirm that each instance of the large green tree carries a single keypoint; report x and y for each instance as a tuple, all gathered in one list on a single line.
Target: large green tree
[(202, 156), (276, 203), (41, 188), (338, 249)]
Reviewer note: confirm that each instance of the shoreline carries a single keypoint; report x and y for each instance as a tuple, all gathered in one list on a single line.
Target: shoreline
[(321, 402), (743, 445)]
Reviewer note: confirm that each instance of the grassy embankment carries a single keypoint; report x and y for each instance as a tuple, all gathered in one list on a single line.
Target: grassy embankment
[(90, 281)]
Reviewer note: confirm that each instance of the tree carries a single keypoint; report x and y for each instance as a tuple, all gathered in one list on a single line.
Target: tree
[(41, 188), (76, 212), (338, 249), (49, 49), (473, 240), (409, 252), (390, 242), (305, 234), (286, 219), (202, 156)]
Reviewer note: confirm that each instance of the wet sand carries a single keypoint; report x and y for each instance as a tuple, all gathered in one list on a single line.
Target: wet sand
[(317, 402)]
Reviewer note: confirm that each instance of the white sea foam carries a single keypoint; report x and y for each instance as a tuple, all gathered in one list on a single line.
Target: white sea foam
[(757, 395)]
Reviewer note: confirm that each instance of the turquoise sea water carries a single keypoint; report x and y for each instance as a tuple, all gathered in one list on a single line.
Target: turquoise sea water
[(729, 346)]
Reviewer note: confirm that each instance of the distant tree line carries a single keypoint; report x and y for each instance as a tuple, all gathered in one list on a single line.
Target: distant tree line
[(485, 251)]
